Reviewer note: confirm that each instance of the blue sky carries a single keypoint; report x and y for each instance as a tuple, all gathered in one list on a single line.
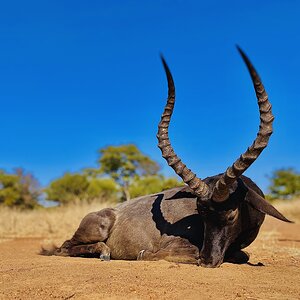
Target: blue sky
[(76, 76)]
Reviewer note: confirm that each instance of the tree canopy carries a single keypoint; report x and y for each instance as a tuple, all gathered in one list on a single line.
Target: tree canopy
[(19, 189)]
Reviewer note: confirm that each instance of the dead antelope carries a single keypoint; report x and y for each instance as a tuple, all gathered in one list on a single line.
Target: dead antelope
[(205, 222)]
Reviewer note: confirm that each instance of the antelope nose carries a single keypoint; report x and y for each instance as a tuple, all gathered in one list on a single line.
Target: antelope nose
[(209, 262)]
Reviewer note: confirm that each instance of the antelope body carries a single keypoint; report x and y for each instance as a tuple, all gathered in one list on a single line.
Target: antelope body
[(205, 222)]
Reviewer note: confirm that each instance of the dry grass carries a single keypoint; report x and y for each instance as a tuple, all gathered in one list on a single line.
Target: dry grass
[(53, 223), (290, 208), (59, 223)]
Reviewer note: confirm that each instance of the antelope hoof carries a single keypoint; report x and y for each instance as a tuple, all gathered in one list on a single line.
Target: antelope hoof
[(61, 252), (239, 257), (104, 257), (140, 255)]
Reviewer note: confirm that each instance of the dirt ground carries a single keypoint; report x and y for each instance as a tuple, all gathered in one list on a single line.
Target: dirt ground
[(26, 275)]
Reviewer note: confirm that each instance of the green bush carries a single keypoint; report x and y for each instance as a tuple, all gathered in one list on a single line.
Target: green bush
[(68, 188), (102, 188), (19, 189), (152, 184), (285, 184)]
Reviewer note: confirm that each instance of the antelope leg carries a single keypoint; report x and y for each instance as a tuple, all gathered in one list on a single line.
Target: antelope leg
[(178, 250), (99, 249)]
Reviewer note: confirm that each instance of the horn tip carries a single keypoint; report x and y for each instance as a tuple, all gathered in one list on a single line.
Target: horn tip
[(289, 221), (242, 53), (164, 63), (238, 47)]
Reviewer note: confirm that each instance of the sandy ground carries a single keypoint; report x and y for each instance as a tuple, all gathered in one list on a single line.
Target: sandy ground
[(26, 275)]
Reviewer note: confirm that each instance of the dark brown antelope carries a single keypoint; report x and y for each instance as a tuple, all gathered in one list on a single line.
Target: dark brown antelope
[(205, 222)]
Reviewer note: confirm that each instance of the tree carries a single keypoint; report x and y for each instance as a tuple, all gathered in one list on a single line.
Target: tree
[(124, 163), (19, 189), (79, 187), (152, 184), (285, 183)]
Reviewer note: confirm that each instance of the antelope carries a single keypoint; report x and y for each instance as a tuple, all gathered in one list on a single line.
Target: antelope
[(206, 222)]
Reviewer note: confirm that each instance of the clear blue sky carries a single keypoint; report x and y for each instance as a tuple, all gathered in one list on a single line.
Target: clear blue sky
[(76, 76)]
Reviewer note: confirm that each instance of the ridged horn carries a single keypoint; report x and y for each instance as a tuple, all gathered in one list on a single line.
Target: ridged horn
[(197, 185), (221, 189)]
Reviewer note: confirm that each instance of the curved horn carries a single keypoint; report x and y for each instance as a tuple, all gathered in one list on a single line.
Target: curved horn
[(221, 190), (197, 185)]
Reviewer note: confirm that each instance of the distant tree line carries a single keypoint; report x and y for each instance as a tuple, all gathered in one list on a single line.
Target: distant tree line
[(123, 173)]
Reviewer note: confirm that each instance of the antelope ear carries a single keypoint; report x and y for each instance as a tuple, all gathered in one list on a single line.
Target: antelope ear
[(260, 204)]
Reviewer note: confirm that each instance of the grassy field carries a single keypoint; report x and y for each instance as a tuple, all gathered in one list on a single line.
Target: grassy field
[(53, 222), (61, 222)]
